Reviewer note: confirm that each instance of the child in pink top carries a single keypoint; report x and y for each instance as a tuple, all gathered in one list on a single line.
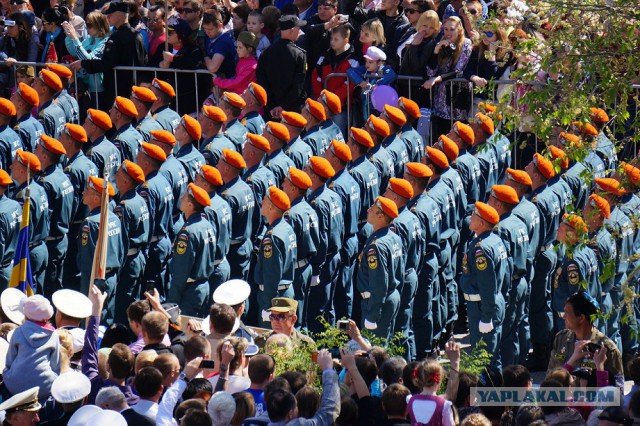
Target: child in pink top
[(246, 45), (427, 408)]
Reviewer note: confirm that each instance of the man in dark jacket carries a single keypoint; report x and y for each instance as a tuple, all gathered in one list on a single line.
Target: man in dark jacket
[(125, 46)]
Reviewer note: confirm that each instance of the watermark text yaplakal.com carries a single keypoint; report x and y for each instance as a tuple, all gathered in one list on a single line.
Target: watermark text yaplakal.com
[(505, 396)]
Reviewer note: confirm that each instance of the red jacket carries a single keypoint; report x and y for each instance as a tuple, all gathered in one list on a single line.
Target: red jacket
[(330, 63)]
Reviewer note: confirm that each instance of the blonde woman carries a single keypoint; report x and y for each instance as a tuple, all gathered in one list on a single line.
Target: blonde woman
[(450, 59)]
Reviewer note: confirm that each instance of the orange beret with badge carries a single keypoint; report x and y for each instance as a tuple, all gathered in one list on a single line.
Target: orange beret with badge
[(234, 100), (278, 130), (52, 145), (418, 170), (437, 157), (164, 87), (299, 178), (610, 186), (575, 222), (569, 139), (598, 115), (28, 94), (488, 107), (279, 198), (378, 126), (51, 80), (233, 158), (322, 167), (163, 136), (585, 128), (60, 70), (485, 122), (409, 107), (5, 178), (76, 132), (126, 107), (28, 159), (192, 126), (331, 100), (394, 114), (557, 153), (133, 170), (293, 119), (340, 150), (259, 142), (361, 136), (519, 176), (214, 113), (154, 151), (600, 204), (449, 147), (316, 109), (505, 193), (7, 107), (143, 94), (544, 166), (258, 92), (487, 213), (97, 184), (401, 187), (387, 206), (211, 175), (633, 173), (99, 118), (199, 195)]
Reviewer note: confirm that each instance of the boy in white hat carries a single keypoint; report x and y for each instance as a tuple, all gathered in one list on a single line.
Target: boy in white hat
[(34, 350)]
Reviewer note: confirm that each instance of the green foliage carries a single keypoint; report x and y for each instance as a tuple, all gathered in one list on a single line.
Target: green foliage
[(476, 360), (331, 337), (298, 356)]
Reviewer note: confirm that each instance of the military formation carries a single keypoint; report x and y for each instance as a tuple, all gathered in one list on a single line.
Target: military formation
[(372, 225)]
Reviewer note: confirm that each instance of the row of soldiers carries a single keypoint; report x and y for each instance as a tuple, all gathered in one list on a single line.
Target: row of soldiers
[(373, 225)]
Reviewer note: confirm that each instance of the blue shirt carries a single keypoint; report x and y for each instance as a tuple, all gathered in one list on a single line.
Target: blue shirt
[(258, 398), (225, 46)]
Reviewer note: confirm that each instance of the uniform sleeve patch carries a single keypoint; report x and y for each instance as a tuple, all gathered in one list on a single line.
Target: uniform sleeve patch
[(181, 246), (267, 249), (372, 260), (574, 277), (481, 262)]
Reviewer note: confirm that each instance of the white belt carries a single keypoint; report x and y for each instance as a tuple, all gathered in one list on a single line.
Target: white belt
[(301, 263), (154, 239), (280, 287), (191, 280), (54, 238), (365, 294), (132, 251), (409, 271), (471, 297), (217, 262), (234, 242)]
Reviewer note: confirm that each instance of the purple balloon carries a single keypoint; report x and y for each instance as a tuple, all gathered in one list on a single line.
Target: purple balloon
[(383, 95)]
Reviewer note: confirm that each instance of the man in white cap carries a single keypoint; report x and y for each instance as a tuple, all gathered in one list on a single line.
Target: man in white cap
[(11, 303), (70, 390), (22, 409), (72, 307), (235, 294)]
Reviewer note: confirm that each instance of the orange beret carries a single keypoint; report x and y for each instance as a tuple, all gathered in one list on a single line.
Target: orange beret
[(598, 115), (299, 179), (331, 100), (164, 136), (487, 107), (387, 206), (401, 187), (341, 150), (7, 107), (28, 159), (633, 173), (485, 122), (164, 87), (293, 119), (211, 175), (575, 222), (99, 118), (570, 139), (97, 184), (51, 80), (192, 126), (234, 99), (5, 178), (449, 147), (154, 152), (395, 115), (321, 167), (558, 153), (52, 145), (316, 109), (519, 176), (214, 113), (28, 94), (259, 142), (279, 198), (505, 193), (199, 195), (544, 166), (76, 132), (233, 158), (486, 212), (133, 170), (60, 70), (609, 185), (125, 106), (379, 126), (278, 130), (585, 128), (409, 107), (361, 136), (437, 157), (258, 92), (600, 204), (419, 170), (143, 94)]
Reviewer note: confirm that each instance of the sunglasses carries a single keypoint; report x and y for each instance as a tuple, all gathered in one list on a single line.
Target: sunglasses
[(278, 317), (489, 33), (185, 10), (473, 12), (411, 11), (153, 19)]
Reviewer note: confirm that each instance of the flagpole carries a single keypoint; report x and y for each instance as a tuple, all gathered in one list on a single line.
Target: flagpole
[(98, 269)]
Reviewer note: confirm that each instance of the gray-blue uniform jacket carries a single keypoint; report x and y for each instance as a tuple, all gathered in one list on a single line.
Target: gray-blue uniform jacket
[(146, 125), (562, 190), (529, 214), (349, 192), (219, 215), (134, 218), (103, 153), (367, 178), (549, 209), (240, 199), (630, 206), (128, 141), (468, 169), (29, 129), (10, 143), (174, 172), (279, 163), (59, 192), (380, 270), (443, 195), (607, 151), (276, 261), (212, 148), (398, 150), (254, 123), (515, 237), (595, 165), (304, 221), (604, 247), (488, 163), (451, 177), (383, 161), (39, 217), (194, 252), (575, 176), (578, 270), (52, 118), (299, 152), (413, 142), (428, 211), (192, 160), (259, 178), (10, 218), (236, 133), (167, 118), (412, 233), (69, 105), (331, 130), (317, 140), (328, 207), (78, 170), (158, 194), (502, 148), (621, 229)]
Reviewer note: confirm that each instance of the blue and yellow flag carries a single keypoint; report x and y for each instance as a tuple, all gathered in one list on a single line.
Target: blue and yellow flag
[(21, 276)]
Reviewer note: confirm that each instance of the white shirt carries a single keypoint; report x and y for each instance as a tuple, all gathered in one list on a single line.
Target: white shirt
[(146, 408), (234, 383)]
